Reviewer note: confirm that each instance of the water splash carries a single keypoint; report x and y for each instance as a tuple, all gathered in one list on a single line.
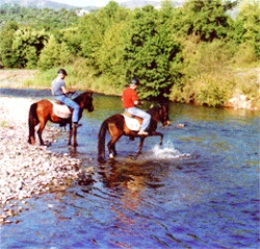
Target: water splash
[(167, 151)]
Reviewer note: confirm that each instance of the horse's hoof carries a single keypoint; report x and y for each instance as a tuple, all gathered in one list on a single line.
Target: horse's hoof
[(111, 156), (101, 160)]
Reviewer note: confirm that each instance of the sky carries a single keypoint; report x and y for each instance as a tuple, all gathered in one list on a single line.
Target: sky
[(85, 3)]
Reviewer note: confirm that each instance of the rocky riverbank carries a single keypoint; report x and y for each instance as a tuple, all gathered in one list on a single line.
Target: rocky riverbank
[(29, 170)]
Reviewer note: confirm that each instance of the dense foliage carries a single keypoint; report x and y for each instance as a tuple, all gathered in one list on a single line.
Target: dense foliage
[(187, 54), (47, 19)]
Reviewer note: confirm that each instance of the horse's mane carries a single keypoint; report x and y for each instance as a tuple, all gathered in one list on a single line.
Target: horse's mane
[(81, 95), (154, 110)]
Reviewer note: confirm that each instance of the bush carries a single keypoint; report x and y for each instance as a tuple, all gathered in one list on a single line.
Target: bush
[(213, 91), (207, 74)]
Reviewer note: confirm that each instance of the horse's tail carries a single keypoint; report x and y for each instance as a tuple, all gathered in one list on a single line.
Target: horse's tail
[(102, 140), (32, 122)]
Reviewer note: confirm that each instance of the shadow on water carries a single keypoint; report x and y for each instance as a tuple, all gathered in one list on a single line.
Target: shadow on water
[(199, 190)]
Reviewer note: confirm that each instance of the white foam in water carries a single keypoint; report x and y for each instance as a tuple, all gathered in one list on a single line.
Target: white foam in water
[(167, 151)]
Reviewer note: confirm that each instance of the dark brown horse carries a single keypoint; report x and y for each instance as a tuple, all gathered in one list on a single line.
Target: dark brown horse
[(42, 111), (117, 127)]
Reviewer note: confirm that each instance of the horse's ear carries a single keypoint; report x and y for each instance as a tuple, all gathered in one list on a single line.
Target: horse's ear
[(89, 93)]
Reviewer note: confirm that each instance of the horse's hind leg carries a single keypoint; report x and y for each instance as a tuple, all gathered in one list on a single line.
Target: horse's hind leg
[(40, 130), (140, 146), (74, 132), (112, 147), (70, 134), (31, 139), (32, 122)]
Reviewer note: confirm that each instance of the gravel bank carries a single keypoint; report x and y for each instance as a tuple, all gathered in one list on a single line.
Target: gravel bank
[(29, 170)]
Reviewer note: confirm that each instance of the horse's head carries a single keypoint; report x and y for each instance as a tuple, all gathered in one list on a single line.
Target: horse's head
[(160, 113), (164, 115), (86, 100), (89, 101)]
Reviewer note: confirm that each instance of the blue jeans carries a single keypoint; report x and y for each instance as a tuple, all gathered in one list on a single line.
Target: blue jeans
[(142, 114), (69, 102)]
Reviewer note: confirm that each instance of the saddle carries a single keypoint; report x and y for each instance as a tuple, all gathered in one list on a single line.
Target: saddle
[(132, 122), (61, 110)]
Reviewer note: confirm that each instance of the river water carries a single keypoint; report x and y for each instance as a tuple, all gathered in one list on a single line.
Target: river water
[(199, 190)]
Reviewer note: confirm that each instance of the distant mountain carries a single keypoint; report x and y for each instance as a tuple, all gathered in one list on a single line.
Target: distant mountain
[(141, 3), (40, 4), (56, 6)]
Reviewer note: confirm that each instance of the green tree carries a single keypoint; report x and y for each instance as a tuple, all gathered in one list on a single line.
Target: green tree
[(205, 18), (8, 57), (24, 39), (54, 54), (49, 56), (72, 38), (152, 53), (111, 54), (65, 57), (247, 26), (31, 57), (93, 27)]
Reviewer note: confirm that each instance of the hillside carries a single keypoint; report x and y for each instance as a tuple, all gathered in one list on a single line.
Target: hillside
[(139, 4), (41, 4), (56, 6)]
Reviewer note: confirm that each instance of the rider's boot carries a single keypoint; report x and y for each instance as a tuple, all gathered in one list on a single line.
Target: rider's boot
[(76, 125)]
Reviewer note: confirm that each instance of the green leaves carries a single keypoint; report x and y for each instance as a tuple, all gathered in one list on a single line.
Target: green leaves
[(150, 53), (247, 29), (205, 18), (6, 37), (27, 44)]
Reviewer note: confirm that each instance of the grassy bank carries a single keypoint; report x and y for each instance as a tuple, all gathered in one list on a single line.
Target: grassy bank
[(36, 79), (207, 88)]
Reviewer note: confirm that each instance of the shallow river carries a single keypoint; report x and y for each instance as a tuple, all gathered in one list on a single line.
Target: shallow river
[(199, 190)]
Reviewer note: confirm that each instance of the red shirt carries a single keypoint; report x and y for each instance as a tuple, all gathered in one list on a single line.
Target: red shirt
[(129, 97)]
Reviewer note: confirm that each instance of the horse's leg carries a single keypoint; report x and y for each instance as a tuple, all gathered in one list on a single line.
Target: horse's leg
[(155, 133), (141, 145), (111, 146), (70, 134), (115, 133), (74, 131), (32, 122), (32, 139), (40, 130)]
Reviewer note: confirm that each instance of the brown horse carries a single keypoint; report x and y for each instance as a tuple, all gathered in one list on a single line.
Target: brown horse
[(117, 127), (42, 111)]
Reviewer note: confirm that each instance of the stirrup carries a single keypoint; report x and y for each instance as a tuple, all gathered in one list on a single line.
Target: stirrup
[(76, 125)]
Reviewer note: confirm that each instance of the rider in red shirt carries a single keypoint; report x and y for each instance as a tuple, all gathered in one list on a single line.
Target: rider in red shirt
[(130, 101)]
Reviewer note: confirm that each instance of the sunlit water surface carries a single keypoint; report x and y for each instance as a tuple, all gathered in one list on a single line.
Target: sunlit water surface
[(199, 190)]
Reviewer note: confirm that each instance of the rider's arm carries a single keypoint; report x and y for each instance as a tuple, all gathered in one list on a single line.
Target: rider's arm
[(65, 91), (136, 102)]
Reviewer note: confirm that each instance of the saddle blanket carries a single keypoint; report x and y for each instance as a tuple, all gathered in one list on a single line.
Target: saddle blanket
[(61, 110), (132, 123)]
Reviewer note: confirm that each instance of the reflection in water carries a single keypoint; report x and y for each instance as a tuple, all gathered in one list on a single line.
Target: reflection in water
[(199, 190), (130, 190)]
